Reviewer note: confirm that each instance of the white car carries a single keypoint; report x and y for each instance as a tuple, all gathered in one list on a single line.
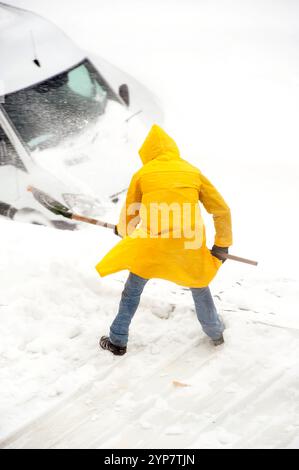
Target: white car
[(70, 123)]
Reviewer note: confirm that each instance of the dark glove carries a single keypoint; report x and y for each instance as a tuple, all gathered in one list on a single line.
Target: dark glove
[(217, 250), (116, 231)]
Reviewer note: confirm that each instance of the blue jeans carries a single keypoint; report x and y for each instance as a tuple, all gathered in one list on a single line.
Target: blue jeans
[(204, 305)]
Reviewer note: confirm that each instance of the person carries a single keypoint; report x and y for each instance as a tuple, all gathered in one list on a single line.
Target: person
[(163, 236)]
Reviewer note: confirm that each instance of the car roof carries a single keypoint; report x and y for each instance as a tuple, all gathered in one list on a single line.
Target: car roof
[(25, 37)]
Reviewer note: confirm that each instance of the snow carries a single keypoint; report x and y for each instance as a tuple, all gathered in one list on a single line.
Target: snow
[(6, 18), (227, 77), (99, 153), (173, 388)]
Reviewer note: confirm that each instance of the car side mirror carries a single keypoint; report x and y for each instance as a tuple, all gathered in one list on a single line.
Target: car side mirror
[(124, 93)]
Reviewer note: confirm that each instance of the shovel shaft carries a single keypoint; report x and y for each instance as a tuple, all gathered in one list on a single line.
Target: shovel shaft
[(59, 209), (89, 220), (112, 227), (238, 258)]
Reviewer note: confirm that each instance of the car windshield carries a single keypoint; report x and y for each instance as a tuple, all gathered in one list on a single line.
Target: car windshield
[(60, 107)]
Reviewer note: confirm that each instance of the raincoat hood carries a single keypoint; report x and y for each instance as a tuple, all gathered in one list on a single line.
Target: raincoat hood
[(158, 144)]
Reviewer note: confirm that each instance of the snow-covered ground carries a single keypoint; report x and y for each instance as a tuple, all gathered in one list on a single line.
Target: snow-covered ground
[(227, 76), (53, 310)]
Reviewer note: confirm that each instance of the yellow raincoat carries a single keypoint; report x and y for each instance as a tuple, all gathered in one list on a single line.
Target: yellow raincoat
[(164, 236)]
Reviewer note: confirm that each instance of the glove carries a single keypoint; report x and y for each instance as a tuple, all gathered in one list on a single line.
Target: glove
[(116, 232), (217, 250)]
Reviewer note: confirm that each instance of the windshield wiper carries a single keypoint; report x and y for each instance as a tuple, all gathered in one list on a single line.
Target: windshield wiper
[(134, 115)]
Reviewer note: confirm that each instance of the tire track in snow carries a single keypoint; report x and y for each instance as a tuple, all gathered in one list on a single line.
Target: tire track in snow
[(171, 419), (67, 407), (131, 433), (83, 420)]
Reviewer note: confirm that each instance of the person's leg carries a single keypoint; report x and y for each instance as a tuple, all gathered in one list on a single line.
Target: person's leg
[(206, 312), (119, 330)]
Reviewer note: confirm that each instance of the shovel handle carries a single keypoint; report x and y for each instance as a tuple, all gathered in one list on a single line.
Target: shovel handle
[(238, 258), (89, 220), (113, 227)]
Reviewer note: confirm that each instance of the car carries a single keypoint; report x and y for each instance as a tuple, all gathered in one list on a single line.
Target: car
[(70, 122)]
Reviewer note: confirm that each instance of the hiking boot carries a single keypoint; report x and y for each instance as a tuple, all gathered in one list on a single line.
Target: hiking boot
[(105, 343), (219, 341)]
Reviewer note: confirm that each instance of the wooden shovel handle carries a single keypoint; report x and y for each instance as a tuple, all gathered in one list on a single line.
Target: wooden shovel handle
[(89, 220), (237, 258), (99, 223)]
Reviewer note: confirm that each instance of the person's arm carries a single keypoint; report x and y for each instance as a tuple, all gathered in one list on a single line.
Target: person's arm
[(129, 217), (215, 205)]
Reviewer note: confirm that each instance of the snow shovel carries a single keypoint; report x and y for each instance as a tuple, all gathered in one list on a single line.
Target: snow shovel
[(59, 209)]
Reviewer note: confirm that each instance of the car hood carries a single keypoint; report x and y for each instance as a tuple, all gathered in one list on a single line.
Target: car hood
[(100, 161)]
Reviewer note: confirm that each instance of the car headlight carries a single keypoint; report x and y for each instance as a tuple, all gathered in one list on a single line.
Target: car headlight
[(84, 205)]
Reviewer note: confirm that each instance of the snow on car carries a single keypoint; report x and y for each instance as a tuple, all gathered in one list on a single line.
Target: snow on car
[(69, 123)]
